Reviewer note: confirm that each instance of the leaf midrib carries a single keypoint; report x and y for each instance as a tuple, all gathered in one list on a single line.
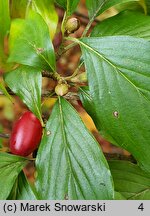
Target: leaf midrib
[(34, 47), (66, 146), (114, 66)]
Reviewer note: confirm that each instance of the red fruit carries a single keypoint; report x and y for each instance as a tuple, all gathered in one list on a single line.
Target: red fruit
[(26, 134)]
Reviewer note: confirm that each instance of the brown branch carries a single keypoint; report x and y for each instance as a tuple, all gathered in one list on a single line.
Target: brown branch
[(72, 96), (44, 94), (6, 136), (47, 74), (52, 75), (116, 156)]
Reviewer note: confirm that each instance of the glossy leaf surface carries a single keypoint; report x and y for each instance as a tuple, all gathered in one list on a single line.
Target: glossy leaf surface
[(119, 77), (21, 189), (10, 167), (70, 163), (97, 7), (30, 43), (130, 180), (47, 10), (68, 5), (126, 23), (27, 85)]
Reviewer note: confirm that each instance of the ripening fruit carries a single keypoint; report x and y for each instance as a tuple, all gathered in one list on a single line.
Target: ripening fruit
[(61, 89), (72, 25), (26, 134)]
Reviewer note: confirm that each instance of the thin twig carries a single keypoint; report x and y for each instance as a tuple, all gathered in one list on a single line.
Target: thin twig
[(6, 136), (69, 96), (53, 75), (44, 94), (64, 49), (116, 156), (75, 72), (92, 20)]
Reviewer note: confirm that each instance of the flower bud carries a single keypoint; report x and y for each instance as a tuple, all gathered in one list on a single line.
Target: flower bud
[(61, 89), (72, 25)]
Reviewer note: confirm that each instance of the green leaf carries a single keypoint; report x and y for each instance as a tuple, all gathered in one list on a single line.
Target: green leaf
[(4, 21), (69, 161), (148, 6), (21, 189), (68, 5), (47, 10), (30, 43), (119, 196), (130, 180), (136, 6), (10, 167), (113, 3), (94, 6), (88, 104), (119, 74), (5, 92), (18, 9), (26, 82), (4, 29), (97, 7), (87, 101), (126, 23)]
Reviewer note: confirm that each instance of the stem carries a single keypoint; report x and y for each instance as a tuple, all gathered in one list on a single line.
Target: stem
[(63, 49), (60, 50), (92, 19), (116, 156), (88, 27), (70, 46), (53, 75), (75, 72), (27, 8), (64, 23), (6, 136)]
